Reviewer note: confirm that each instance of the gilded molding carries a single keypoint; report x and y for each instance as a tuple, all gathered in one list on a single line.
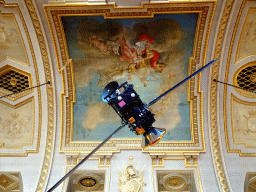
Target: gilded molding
[(54, 13), (49, 88), (16, 6), (213, 97)]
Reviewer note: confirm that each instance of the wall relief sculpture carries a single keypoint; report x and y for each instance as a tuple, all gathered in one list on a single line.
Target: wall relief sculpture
[(130, 179), (17, 124), (246, 46), (243, 123), (11, 39)]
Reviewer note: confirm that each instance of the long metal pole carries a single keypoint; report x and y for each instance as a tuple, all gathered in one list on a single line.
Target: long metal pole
[(180, 83), (215, 80), (87, 157), (48, 82)]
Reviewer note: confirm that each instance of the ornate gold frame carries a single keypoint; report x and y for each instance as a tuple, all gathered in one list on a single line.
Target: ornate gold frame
[(54, 13)]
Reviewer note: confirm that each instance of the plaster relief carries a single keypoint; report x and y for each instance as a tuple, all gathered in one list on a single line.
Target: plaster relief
[(247, 41), (16, 125), (11, 41), (130, 180), (243, 123)]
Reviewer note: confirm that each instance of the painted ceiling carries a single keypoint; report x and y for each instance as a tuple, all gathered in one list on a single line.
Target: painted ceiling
[(57, 56)]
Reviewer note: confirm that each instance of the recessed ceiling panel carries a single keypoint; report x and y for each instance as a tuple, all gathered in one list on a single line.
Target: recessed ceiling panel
[(11, 41), (17, 124), (247, 40)]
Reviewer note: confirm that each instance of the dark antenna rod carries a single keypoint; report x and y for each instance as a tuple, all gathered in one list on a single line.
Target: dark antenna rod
[(252, 91), (180, 83), (48, 82)]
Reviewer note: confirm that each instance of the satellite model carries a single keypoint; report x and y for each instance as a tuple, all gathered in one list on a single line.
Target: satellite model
[(133, 112), (128, 105)]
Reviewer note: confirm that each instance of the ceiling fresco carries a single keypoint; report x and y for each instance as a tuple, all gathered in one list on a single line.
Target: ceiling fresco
[(79, 48), (153, 54), (97, 47)]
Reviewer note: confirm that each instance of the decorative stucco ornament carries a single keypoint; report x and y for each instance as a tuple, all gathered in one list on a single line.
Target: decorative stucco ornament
[(251, 121), (131, 180)]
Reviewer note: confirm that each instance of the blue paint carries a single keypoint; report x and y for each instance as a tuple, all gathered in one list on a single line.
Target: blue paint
[(91, 94)]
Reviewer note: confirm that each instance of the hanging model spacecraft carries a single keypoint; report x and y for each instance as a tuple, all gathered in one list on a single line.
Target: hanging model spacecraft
[(132, 111), (128, 105)]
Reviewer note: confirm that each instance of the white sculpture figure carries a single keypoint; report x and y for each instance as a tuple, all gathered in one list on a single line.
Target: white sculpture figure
[(131, 180)]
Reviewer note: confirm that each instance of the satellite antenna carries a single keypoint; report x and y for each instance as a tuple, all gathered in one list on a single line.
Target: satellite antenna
[(133, 112)]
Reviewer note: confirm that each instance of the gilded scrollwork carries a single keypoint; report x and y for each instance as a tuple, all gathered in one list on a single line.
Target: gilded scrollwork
[(50, 131), (213, 97)]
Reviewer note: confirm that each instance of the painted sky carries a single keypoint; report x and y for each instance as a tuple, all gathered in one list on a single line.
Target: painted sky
[(173, 40)]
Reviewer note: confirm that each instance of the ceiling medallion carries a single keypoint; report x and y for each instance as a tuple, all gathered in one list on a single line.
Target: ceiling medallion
[(174, 182), (130, 179), (89, 182)]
